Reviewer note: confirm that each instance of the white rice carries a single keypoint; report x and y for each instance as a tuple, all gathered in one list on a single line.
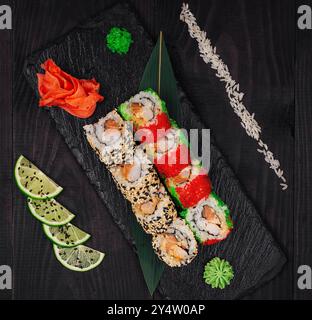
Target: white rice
[(148, 100), (200, 226), (248, 122), (117, 152), (142, 189), (182, 232)]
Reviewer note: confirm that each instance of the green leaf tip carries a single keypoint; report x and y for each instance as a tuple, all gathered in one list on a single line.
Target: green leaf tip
[(159, 76), (218, 273), (119, 40)]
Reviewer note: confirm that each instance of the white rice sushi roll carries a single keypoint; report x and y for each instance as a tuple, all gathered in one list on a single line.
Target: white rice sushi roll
[(148, 113), (177, 246), (157, 213), (112, 139), (209, 220), (138, 180)]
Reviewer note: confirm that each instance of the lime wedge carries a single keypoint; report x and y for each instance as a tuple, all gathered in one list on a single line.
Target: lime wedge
[(50, 212), (67, 236), (79, 258), (33, 182)]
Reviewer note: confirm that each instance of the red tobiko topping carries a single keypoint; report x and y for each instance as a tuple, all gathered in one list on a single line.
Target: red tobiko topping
[(194, 191), (150, 133), (214, 241), (211, 242), (172, 163), (58, 88)]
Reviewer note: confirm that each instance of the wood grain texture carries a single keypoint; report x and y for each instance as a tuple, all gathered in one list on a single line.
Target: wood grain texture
[(260, 258), (250, 248), (41, 142), (6, 219), (256, 40), (303, 151)]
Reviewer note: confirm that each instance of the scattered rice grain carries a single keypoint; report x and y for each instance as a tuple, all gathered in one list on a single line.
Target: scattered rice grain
[(209, 54)]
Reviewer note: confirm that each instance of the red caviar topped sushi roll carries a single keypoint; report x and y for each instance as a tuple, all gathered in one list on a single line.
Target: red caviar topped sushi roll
[(148, 114), (171, 153), (190, 186), (209, 220)]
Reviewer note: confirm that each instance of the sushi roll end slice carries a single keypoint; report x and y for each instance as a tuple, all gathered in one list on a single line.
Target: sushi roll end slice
[(148, 113), (209, 220), (177, 246), (112, 139)]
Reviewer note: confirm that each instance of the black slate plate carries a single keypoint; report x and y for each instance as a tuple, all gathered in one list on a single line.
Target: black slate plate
[(250, 248)]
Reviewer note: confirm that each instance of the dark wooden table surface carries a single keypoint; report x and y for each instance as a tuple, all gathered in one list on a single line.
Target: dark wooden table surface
[(267, 55)]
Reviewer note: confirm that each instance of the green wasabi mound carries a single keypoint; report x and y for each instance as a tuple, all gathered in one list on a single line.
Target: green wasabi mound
[(218, 273), (119, 40)]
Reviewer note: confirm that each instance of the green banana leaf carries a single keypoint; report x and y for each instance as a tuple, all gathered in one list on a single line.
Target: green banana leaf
[(159, 76)]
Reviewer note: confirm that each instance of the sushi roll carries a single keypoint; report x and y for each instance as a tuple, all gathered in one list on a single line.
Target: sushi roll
[(112, 139), (170, 154), (148, 114), (138, 180), (209, 220), (190, 186), (156, 214), (177, 246)]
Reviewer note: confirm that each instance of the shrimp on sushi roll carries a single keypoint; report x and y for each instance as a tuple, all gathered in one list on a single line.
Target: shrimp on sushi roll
[(157, 213), (112, 139), (177, 246), (138, 181), (209, 220), (148, 114)]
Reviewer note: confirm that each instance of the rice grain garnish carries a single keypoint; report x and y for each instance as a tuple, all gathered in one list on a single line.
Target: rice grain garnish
[(209, 55)]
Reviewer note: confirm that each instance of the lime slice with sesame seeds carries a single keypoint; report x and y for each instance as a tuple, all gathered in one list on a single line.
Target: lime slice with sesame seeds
[(67, 236), (50, 212), (80, 258), (33, 182)]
